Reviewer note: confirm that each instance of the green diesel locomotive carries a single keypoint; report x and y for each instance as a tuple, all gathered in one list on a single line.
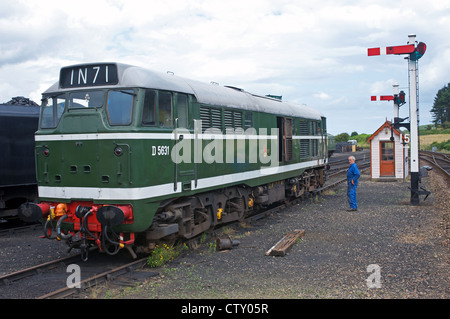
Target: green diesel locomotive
[(127, 157)]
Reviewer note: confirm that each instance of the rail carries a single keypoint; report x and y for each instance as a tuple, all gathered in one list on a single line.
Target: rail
[(439, 160), (95, 280), (100, 275)]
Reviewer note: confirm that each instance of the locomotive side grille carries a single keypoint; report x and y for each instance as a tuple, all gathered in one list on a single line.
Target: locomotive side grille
[(210, 117), (238, 122), (304, 148), (216, 118), (288, 149), (314, 130), (315, 147), (288, 125), (237, 119), (228, 119), (233, 119), (248, 120), (205, 118), (303, 128)]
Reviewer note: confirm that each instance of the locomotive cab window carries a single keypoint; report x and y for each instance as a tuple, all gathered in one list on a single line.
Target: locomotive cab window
[(165, 109), (119, 107), (158, 109), (52, 110), (89, 99), (182, 111), (149, 112)]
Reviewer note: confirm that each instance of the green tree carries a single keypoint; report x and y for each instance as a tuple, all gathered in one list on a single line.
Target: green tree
[(354, 134), (343, 137), (441, 107)]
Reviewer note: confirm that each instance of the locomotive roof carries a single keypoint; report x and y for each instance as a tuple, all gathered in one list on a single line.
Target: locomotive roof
[(205, 93)]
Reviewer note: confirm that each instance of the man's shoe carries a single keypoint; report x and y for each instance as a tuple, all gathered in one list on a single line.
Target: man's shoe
[(352, 210)]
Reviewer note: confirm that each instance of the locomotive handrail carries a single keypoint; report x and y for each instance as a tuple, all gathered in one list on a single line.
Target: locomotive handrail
[(175, 179)]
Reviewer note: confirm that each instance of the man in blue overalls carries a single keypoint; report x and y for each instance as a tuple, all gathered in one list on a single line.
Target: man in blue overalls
[(352, 182)]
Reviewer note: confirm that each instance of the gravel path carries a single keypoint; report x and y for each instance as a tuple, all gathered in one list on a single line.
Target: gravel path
[(407, 244)]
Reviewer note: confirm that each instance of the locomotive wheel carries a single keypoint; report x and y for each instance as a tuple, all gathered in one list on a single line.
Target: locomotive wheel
[(235, 206)]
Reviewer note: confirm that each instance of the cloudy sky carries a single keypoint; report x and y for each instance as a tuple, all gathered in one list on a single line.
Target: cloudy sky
[(310, 52)]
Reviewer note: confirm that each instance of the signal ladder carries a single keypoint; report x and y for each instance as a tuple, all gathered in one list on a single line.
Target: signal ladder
[(417, 89)]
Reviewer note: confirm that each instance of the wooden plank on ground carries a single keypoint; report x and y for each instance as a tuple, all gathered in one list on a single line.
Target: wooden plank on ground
[(281, 248)]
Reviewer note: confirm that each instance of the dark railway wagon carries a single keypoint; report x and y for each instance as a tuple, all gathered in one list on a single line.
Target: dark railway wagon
[(18, 123)]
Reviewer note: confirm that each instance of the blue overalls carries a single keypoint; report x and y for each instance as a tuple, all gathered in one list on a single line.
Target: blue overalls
[(352, 175)]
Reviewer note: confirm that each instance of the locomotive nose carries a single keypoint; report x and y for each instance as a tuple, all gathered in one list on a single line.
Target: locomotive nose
[(31, 212)]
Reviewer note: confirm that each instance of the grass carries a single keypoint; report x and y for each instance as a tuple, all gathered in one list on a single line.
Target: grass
[(429, 139), (163, 254), (426, 141)]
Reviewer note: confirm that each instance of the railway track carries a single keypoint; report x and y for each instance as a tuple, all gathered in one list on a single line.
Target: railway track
[(50, 280), (439, 160), (8, 231), (108, 275)]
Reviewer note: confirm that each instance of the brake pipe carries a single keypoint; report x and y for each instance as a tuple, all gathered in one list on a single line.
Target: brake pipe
[(58, 230)]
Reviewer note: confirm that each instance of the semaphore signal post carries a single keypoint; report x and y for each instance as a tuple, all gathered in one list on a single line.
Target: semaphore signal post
[(414, 53), (399, 100)]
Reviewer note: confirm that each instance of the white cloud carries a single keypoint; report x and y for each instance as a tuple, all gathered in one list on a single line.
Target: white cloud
[(309, 52), (322, 96)]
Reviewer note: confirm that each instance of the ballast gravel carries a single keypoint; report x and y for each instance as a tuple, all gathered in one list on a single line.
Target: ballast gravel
[(387, 249)]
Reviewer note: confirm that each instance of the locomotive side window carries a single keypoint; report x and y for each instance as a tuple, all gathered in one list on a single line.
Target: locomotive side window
[(90, 99), (52, 110), (119, 107), (148, 115), (165, 109), (182, 109)]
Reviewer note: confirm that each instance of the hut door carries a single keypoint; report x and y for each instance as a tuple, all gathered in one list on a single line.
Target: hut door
[(387, 161)]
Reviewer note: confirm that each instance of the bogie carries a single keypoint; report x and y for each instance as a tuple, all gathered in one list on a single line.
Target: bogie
[(189, 217)]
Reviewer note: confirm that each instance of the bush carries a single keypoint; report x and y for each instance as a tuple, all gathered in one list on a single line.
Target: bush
[(362, 138), (442, 146)]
